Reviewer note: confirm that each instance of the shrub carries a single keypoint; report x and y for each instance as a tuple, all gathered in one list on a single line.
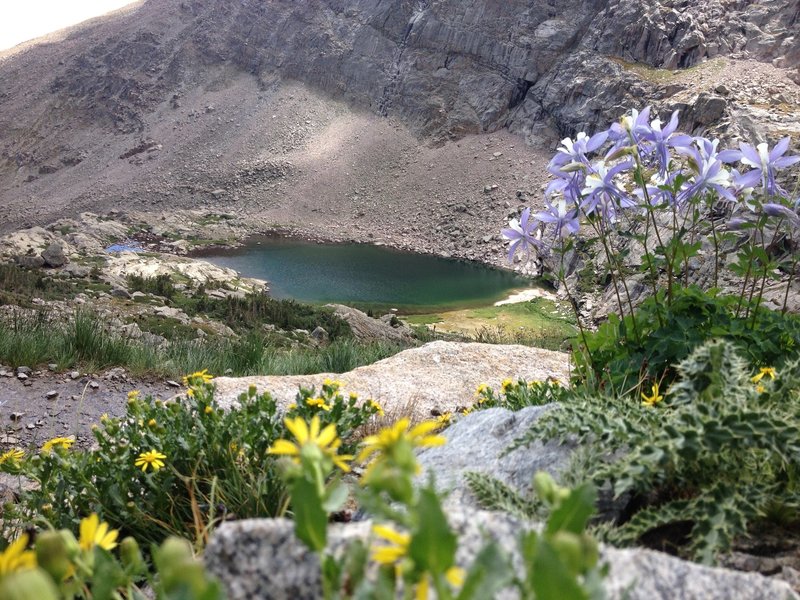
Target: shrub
[(669, 332), (160, 285), (175, 468), (699, 464)]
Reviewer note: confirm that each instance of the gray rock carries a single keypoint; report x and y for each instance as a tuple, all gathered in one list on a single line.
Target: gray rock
[(54, 256), (708, 109), (119, 292), (367, 329), (497, 429), (30, 261), (320, 335), (24, 370), (261, 558), (78, 271)]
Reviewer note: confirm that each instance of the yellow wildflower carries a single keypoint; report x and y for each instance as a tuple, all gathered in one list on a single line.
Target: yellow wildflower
[(94, 533), (418, 436), (378, 408), (353, 396), (190, 393), (654, 399), (393, 553), (12, 456), (151, 423), (481, 389), (319, 403), (764, 372), (64, 442), (208, 410), (397, 549), (292, 406), (16, 557), (444, 419), (104, 417), (152, 458), (506, 385), (133, 395), (310, 435), (760, 389), (466, 411), (203, 377)]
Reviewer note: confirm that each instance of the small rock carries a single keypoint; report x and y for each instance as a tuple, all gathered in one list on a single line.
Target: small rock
[(173, 384), (74, 375), (22, 376), (52, 366), (51, 395), (24, 370), (94, 385)]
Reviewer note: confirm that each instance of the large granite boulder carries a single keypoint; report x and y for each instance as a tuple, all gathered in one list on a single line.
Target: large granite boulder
[(261, 558), (436, 378)]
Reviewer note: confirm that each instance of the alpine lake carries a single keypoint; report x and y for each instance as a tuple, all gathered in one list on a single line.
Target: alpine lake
[(452, 296)]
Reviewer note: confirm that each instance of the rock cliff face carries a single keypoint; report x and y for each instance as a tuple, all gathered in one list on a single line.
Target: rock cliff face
[(444, 68)]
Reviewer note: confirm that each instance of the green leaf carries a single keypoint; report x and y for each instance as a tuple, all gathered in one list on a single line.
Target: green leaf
[(490, 572), (335, 497), (310, 519), (574, 512), (550, 578), (433, 544)]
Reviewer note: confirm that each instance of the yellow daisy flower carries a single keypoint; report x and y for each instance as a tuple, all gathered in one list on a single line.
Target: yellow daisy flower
[(309, 434), (63, 442), (418, 436), (94, 533), (319, 403), (378, 408), (152, 458), (653, 399), (133, 395), (16, 558), (764, 372), (12, 456), (506, 385), (198, 377)]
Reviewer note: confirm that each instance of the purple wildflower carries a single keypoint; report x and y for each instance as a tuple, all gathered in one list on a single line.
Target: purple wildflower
[(709, 176), (602, 195), (661, 139), (767, 162), (625, 133), (780, 211), (575, 151), (522, 235), (569, 182), (566, 221)]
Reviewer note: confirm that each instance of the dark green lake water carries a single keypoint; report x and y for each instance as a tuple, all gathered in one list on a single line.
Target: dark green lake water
[(365, 275)]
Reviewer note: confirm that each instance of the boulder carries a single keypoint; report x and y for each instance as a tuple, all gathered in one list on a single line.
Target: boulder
[(436, 378), (261, 558), (30, 261), (497, 429), (54, 255), (367, 329)]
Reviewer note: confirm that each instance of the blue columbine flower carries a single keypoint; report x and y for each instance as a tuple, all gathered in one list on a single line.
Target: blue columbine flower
[(710, 176), (522, 233), (566, 220), (575, 151), (601, 193), (767, 162), (661, 139)]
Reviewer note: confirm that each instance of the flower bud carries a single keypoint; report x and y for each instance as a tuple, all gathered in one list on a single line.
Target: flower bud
[(52, 555), (33, 584), (131, 556)]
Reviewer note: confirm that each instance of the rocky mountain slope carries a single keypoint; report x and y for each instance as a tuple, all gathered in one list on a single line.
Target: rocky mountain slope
[(389, 119)]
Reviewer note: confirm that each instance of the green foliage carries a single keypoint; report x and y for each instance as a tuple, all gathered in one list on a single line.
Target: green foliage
[(257, 309), (561, 562), (160, 285), (614, 358), (41, 339), (720, 451), (519, 394), (213, 464), (58, 566)]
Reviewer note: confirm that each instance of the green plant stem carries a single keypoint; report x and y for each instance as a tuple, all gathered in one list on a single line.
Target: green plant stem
[(573, 303), (789, 283)]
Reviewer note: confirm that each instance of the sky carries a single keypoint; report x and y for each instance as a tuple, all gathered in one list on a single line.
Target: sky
[(23, 20)]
